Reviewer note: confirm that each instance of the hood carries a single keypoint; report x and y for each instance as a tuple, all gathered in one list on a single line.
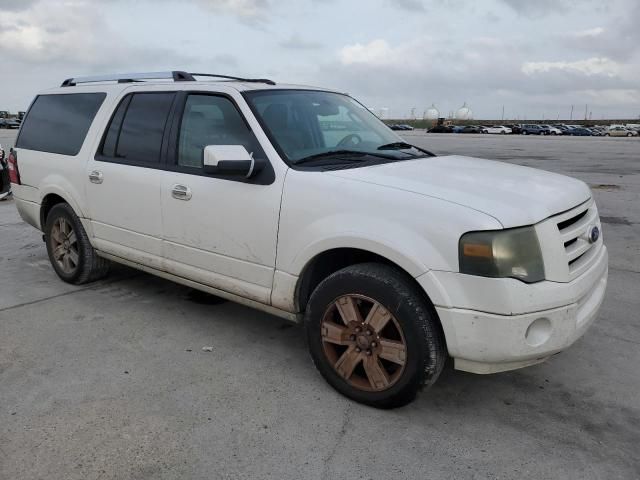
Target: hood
[(512, 194)]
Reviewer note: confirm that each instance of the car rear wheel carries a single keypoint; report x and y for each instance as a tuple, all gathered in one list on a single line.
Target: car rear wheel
[(374, 336), (70, 252)]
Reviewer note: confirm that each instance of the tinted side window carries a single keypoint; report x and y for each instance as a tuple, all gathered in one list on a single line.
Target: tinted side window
[(113, 132), (59, 123), (140, 139), (212, 120)]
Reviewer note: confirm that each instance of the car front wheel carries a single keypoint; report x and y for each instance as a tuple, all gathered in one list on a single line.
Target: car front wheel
[(374, 336)]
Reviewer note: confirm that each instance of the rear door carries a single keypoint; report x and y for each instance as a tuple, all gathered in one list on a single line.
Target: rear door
[(123, 179), (219, 230)]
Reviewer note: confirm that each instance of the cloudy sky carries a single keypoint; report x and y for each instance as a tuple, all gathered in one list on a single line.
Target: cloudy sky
[(535, 57)]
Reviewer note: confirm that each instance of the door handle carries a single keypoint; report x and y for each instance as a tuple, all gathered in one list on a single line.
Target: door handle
[(95, 176), (181, 192)]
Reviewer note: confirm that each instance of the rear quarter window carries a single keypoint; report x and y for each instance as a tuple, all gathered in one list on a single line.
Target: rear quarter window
[(59, 123)]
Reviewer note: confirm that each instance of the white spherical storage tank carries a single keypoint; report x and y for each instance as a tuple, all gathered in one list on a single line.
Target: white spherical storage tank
[(432, 113), (464, 112)]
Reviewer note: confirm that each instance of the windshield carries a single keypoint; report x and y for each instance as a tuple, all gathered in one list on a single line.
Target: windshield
[(309, 123)]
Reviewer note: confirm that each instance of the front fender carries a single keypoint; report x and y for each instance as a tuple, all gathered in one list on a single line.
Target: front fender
[(405, 248)]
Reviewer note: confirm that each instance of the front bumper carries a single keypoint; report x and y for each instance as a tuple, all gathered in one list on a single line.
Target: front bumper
[(482, 342)]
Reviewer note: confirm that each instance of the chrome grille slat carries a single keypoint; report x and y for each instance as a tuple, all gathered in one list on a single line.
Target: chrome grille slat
[(577, 229), (573, 228), (577, 249)]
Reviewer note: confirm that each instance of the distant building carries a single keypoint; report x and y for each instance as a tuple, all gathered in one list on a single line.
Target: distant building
[(464, 113), (432, 113)]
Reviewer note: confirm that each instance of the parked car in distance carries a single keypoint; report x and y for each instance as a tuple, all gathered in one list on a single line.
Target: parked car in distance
[(579, 132), (552, 130), (470, 129), (394, 259), (441, 129), (533, 129), (516, 129), (9, 123), (499, 129), (400, 127), (620, 132)]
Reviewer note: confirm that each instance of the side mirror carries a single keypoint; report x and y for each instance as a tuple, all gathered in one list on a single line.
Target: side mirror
[(229, 160)]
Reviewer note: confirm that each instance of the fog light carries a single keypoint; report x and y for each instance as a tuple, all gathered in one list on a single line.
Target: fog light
[(538, 332)]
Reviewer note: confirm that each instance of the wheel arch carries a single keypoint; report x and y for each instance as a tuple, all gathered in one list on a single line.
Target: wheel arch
[(52, 197), (329, 261)]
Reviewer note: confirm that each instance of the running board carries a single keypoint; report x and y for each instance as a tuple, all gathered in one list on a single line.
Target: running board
[(292, 317)]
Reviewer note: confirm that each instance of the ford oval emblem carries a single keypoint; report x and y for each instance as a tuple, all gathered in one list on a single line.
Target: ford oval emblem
[(594, 234)]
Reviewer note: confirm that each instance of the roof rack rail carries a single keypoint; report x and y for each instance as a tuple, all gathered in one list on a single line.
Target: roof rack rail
[(175, 75), (240, 79)]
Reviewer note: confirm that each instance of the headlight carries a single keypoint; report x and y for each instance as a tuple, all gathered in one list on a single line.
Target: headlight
[(502, 253)]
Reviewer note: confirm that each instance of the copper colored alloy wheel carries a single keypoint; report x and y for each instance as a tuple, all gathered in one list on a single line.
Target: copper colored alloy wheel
[(64, 245), (364, 342)]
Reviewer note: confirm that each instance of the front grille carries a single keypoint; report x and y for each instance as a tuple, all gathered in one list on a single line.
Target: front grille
[(574, 227)]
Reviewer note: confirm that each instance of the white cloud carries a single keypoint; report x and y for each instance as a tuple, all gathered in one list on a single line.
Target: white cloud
[(248, 10), (297, 42), (588, 67), (375, 52), (588, 33)]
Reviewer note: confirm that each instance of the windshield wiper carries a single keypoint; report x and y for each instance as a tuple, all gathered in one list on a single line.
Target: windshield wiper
[(349, 155), (404, 146)]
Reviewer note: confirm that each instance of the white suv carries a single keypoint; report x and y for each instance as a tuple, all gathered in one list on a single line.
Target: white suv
[(300, 202)]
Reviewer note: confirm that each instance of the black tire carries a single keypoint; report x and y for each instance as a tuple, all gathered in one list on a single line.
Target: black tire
[(425, 353), (524, 132), (90, 266)]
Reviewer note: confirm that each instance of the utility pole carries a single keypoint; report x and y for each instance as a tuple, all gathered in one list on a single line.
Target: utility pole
[(502, 112), (571, 116), (586, 107)]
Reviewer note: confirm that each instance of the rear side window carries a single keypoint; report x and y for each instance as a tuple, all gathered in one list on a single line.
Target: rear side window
[(137, 127), (59, 123)]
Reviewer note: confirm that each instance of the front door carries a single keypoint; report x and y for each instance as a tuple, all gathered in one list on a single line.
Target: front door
[(218, 230)]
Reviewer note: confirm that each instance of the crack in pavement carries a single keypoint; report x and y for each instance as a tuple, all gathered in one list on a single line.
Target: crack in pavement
[(64, 294), (628, 270), (635, 342), (346, 419)]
